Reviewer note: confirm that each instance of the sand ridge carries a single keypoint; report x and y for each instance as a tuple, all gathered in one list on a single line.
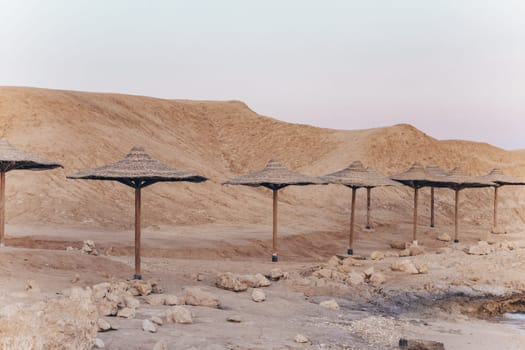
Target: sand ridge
[(218, 140)]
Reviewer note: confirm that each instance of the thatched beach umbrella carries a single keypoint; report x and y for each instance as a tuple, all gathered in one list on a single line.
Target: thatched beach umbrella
[(13, 159), (138, 170), (434, 170), (416, 177), (356, 176), (458, 181), (500, 179), (275, 177)]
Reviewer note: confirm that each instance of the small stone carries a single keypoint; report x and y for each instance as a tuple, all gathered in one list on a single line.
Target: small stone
[(355, 278), (330, 304), (234, 319), (161, 345), (156, 299), (131, 302), (398, 245), (76, 278), (377, 278), (416, 250), (369, 272), (170, 300), (338, 276), (506, 246), (258, 295), (148, 326), (144, 288), (126, 312), (482, 248), (442, 250), (404, 253), (229, 281), (133, 291), (255, 281), (352, 262), (299, 338), (157, 320), (179, 314), (418, 344), (421, 267), (276, 274), (156, 288), (99, 343), (88, 247), (107, 308), (377, 255), (445, 237), (323, 273), (32, 286), (197, 297), (404, 266), (334, 261), (103, 325)]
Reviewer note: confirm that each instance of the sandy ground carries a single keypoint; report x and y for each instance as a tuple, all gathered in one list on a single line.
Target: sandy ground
[(371, 317)]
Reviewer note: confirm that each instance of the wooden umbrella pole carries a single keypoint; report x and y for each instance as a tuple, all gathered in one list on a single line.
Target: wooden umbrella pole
[(414, 229), (432, 206), (368, 195), (350, 250), (495, 218), (137, 275), (456, 240), (2, 208), (275, 257)]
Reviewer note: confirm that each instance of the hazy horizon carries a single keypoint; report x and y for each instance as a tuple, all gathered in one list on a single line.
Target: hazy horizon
[(453, 69)]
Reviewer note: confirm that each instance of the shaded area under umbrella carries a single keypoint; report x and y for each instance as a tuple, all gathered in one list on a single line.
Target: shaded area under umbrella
[(417, 177), (458, 181), (275, 177), (434, 170), (500, 179), (138, 170), (356, 176), (376, 180), (14, 159)]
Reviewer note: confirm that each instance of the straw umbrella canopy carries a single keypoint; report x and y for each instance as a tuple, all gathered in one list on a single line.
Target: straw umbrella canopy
[(138, 170), (356, 176), (275, 177), (434, 170), (500, 179), (458, 181), (14, 159), (417, 177)]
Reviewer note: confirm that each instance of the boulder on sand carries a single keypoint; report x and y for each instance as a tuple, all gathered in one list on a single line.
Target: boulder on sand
[(197, 297), (179, 314), (229, 281), (482, 248), (404, 265)]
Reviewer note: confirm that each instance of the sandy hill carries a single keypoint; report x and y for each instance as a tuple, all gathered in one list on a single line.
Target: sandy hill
[(218, 140)]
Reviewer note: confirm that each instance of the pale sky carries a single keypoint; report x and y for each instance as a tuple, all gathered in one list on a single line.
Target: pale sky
[(452, 68)]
